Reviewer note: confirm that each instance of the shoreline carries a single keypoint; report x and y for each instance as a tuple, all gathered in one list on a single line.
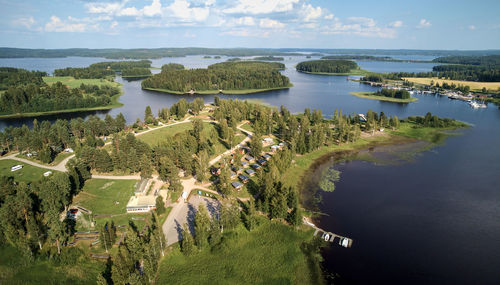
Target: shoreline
[(369, 95), (215, 92), (360, 72)]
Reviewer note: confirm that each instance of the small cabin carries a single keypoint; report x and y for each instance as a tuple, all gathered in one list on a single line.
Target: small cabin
[(243, 178), (250, 172), (262, 162), (249, 158), (274, 148), (255, 166), (266, 156), (244, 164), (215, 171), (233, 175), (237, 185)]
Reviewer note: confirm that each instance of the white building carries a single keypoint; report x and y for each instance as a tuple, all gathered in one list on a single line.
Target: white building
[(141, 204)]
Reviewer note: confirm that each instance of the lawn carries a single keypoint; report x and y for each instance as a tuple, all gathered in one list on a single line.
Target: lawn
[(27, 174), (270, 254), (370, 95), (14, 271), (472, 84), (59, 157), (247, 127), (156, 136), (105, 197), (75, 83)]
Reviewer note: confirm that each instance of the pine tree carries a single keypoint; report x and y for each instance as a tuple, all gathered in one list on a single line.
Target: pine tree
[(201, 227), (187, 244)]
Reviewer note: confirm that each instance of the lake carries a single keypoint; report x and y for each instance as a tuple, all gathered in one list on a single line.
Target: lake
[(435, 219)]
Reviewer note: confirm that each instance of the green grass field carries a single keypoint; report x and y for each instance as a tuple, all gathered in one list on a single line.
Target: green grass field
[(270, 254), (154, 137), (14, 271), (215, 92), (493, 86), (369, 95), (101, 196), (27, 174), (75, 83), (432, 135), (247, 127), (59, 157)]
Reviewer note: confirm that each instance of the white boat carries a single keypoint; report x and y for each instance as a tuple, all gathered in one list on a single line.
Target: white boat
[(344, 242), (477, 105)]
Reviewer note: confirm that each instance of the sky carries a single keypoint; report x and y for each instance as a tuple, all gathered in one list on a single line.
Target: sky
[(362, 24)]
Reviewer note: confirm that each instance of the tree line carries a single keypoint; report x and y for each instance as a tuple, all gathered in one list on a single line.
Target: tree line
[(225, 76), (107, 69), (393, 93), (327, 66), (33, 98), (10, 76)]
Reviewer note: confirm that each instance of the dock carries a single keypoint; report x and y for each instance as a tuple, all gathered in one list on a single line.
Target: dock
[(329, 236)]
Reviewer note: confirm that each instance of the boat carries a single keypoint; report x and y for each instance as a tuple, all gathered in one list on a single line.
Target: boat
[(477, 105), (344, 242)]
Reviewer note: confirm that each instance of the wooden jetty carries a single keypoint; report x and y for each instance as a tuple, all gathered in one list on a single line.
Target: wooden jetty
[(329, 236)]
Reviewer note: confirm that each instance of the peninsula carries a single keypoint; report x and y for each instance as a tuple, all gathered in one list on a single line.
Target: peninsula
[(330, 67)]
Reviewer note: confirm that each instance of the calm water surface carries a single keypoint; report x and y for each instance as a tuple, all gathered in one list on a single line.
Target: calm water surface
[(433, 220)]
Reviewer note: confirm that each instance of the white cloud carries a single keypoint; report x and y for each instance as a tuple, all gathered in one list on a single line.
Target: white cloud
[(329, 17), (261, 6), (182, 10), (119, 9), (396, 24), (310, 13), (113, 25), (361, 26), (57, 25), (24, 22), (243, 21), (424, 24), (270, 24), (472, 27), (152, 10), (247, 33)]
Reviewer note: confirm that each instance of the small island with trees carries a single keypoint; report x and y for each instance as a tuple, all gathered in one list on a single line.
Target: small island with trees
[(330, 67), (389, 95), (269, 58), (243, 77)]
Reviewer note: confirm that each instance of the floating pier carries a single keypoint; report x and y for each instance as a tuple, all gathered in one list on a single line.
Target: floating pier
[(329, 236)]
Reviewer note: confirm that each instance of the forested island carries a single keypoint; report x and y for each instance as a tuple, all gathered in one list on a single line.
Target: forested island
[(25, 94), (330, 67), (269, 58), (390, 95), (227, 77), (108, 69)]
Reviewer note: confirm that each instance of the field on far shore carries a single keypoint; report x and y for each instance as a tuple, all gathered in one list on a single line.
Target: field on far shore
[(75, 83), (472, 84)]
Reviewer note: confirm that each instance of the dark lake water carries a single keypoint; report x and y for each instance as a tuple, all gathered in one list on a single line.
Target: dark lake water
[(432, 220)]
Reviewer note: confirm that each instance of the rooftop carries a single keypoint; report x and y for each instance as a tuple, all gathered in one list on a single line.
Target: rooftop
[(141, 201)]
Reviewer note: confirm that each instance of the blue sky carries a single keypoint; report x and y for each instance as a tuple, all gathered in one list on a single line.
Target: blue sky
[(392, 24)]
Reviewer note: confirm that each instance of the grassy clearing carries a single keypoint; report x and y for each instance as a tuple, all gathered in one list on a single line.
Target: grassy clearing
[(27, 174), (432, 135), (370, 95), (270, 254), (14, 271), (106, 197), (473, 85), (215, 92), (247, 127), (75, 83), (156, 136), (59, 157)]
